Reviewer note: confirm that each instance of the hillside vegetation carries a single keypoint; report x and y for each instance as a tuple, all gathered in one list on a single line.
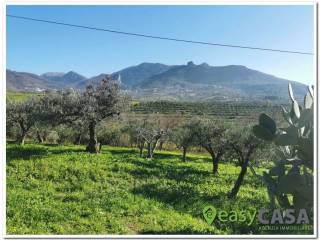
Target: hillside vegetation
[(231, 111)]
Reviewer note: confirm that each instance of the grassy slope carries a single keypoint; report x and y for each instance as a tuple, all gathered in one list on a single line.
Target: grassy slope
[(63, 190)]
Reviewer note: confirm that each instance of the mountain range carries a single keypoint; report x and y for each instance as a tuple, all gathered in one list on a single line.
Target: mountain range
[(156, 81)]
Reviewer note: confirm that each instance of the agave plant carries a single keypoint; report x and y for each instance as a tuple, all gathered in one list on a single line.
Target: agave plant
[(290, 180)]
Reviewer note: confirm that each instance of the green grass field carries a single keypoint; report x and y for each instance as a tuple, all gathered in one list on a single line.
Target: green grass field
[(64, 190)]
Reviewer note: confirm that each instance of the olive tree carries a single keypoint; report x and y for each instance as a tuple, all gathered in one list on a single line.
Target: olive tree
[(99, 103), (168, 123), (91, 106), (151, 136), (24, 114), (183, 137), (80, 131), (111, 133), (148, 132), (244, 144), (41, 131), (210, 135), (133, 129)]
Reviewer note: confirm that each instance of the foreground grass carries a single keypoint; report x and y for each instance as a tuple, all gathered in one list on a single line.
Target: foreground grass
[(63, 190)]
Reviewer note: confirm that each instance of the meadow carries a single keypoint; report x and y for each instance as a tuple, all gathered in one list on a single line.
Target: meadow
[(75, 165), (55, 189)]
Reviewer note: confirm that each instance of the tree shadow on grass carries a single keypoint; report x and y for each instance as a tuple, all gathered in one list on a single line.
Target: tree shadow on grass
[(165, 155), (184, 195), (151, 168), (187, 199), (183, 198), (25, 153), (50, 144), (121, 151), (67, 151)]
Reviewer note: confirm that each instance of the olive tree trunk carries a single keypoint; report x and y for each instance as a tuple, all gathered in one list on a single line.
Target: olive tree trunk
[(215, 166), (78, 139), (93, 146), (150, 152), (22, 138), (238, 183), (184, 153), (39, 137), (151, 147), (141, 146), (160, 145), (23, 134), (215, 162)]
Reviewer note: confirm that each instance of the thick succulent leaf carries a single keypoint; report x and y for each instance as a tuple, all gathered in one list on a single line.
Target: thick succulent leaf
[(306, 191), (306, 117), (295, 170), (307, 159), (310, 88), (308, 100), (306, 144), (285, 140), (278, 170), (268, 123), (305, 151), (272, 198), (302, 131), (269, 181), (290, 183), (296, 109), (299, 202), (291, 130), (293, 116), (290, 92), (262, 133), (286, 115), (274, 171)]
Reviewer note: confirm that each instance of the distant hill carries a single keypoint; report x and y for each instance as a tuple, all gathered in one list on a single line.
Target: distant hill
[(64, 80), (130, 76), (52, 74), (23, 81), (156, 81), (134, 75), (93, 80), (212, 82)]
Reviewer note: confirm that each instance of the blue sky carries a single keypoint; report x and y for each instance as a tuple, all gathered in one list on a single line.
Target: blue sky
[(40, 47)]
